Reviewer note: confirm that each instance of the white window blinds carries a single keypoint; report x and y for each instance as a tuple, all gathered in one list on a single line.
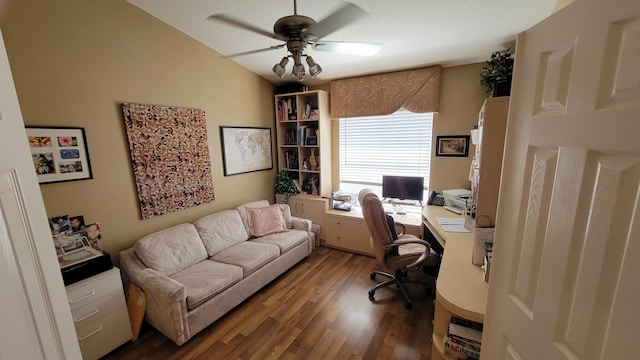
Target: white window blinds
[(396, 144)]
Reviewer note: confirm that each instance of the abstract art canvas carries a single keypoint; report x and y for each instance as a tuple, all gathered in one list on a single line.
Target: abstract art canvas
[(170, 157)]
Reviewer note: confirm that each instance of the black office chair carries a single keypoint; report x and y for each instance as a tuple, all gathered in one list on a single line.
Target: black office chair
[(395, 255)]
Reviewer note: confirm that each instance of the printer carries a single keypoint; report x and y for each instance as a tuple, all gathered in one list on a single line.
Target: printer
[(455, 200)]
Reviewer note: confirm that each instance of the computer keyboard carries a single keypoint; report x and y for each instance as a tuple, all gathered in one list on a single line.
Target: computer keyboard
[(404, 202)]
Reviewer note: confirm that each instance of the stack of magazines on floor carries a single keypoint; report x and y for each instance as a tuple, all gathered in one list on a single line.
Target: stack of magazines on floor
[(463, 339)]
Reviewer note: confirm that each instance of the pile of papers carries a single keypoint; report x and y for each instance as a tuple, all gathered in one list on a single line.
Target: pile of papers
[(452, 224)]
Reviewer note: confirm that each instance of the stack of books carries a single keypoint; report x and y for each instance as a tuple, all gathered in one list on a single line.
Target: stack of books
[(463, 339), (291, 159), (286, 110), (307, 135)]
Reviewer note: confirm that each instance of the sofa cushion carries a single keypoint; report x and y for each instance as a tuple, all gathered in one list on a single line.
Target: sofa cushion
[(206, 279), (171, 250), (242, 209), (265, 220), (221, 230), (284, 241), (250, 256)]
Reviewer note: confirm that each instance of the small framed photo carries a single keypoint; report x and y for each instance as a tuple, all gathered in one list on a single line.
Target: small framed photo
[(59, 154), (453, 145)]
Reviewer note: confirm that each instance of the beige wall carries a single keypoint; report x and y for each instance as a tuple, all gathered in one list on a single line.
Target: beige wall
[(75, 61), (461, 97)]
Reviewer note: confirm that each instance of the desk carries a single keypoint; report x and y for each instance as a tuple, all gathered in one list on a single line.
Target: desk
[(460, 289), (346, 230)]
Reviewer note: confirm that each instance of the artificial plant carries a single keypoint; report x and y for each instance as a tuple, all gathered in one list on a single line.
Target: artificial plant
[(498, 69), (285, 185)]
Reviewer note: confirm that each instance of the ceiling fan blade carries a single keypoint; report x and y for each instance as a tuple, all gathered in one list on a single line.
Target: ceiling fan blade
[(348, 47), (345, 15), (255, 51), (230, 20)]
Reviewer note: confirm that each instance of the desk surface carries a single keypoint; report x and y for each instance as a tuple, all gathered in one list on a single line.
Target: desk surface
[(461, 287), (410, 219)]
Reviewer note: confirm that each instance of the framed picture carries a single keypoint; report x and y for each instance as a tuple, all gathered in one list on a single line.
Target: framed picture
[(59, 154), (452, 145), (245, 149)]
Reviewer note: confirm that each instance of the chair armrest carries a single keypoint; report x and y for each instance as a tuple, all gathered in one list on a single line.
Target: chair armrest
[(401, 228), (410, 239), (166, 298), (300, 223)]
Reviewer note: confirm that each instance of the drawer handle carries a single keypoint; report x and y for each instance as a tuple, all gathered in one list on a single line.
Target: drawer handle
[(91, 333), (88, 315), (82, 297)]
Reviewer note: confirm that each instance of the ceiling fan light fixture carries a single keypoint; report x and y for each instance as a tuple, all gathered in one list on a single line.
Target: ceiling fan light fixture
[(314, 68), (298, 71), (279, 69)]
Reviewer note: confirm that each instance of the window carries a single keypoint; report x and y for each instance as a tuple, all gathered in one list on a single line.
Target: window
[(372, 146)]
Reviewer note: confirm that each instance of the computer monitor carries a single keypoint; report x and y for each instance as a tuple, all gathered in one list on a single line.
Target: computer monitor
[(403, 187)]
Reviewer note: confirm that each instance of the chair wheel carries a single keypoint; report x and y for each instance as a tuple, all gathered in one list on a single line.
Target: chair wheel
[(407, 305), (372, 276), (371, 293)]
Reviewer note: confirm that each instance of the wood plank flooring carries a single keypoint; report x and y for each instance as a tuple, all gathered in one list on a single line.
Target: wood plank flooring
[(319, 309)]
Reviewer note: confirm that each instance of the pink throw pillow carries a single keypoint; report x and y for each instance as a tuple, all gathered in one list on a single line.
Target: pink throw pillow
[(266, 220)]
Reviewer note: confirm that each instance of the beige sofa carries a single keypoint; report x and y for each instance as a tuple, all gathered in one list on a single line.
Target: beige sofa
[(192, 274)]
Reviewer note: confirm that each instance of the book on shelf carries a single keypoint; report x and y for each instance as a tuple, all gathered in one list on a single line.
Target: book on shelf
[(290, 137), (465, 333), (291, 159), (287, 109), (301, 132), (454, 351), (310, 136), (463, 339), (305, 132), (314, 115), (467, 323)]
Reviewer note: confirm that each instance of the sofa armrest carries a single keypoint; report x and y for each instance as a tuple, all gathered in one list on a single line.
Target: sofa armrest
[(300, 223), (166, 298)]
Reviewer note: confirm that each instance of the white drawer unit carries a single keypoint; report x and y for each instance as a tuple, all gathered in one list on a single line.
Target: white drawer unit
[(99, 312)]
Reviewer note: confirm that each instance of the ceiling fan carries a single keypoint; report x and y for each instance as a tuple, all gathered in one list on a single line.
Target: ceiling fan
[(298, 31)]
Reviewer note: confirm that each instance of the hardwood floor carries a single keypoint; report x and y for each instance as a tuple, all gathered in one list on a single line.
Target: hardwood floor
[(319, 309)]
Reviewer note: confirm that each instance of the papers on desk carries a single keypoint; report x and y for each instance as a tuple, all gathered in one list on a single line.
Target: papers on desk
[(452, 224)]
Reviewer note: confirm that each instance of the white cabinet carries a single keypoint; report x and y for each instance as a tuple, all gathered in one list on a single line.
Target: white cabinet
[(308, 207), (303, 128), (347, 231), (99, 312), (485, 183)]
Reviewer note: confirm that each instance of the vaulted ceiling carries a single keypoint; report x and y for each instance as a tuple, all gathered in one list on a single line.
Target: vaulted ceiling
[(414, 33)]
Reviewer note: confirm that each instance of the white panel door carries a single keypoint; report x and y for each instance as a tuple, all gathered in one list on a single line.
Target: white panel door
[(36, 319), (564, 283)]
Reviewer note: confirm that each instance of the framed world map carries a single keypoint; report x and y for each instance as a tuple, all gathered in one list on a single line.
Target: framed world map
[(245, 149)]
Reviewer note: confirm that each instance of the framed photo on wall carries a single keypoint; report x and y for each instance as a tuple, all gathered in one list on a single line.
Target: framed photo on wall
[(245, 149), (59, 154), (452, 145)]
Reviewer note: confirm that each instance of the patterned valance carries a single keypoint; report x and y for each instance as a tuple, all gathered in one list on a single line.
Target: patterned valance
[(416, 90)]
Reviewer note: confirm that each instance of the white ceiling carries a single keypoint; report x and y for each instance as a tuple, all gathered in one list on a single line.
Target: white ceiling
[(414, 33)]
